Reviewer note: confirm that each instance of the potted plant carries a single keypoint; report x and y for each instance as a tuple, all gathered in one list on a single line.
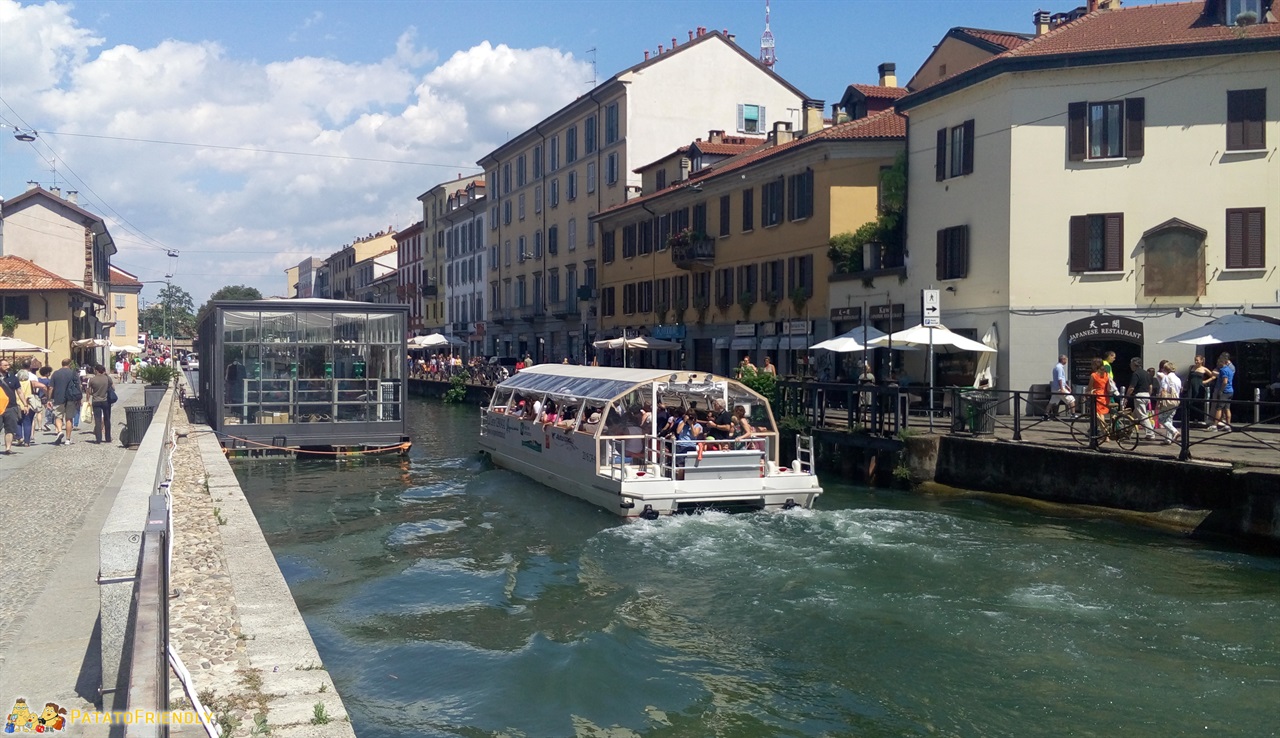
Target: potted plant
[(746, 301), (10, 323), (799, 298), (772, 298), (156, 377), (701, 303), (661, 310)]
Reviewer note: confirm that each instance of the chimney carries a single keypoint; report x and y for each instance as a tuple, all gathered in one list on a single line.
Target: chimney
[(812, 117), (660, 48), (782, 133), (73, 197), (888, 74), (646, 55), (715, 136), (1091, 6), (729, 36), (1041, 21), (55, 191), (673, 43), (32, 184), (686, 166), (690, 35)]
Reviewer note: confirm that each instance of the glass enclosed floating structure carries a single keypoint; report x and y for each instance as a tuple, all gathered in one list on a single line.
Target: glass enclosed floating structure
[(306, 374)]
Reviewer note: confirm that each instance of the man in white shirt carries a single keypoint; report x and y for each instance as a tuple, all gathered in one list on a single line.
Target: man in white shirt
[(1060, 391)]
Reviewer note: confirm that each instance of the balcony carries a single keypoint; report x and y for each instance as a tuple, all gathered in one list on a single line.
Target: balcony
[(698, 255), (501, 316), (566, 308), (461, 328), (531, 312), (586, 292), (430, 290)]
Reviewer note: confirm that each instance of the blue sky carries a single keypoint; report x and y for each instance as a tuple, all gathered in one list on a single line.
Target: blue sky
[(414, 85)]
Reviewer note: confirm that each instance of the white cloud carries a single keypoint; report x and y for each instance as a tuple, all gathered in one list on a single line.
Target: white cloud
[(203, 199)]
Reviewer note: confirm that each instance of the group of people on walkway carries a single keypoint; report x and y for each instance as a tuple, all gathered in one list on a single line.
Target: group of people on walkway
[(55, 400), (1153, 395)]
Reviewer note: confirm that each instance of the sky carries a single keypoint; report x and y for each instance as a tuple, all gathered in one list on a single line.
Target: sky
[(247, 136)]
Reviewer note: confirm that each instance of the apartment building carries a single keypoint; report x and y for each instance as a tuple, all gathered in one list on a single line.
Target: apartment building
[(1107, 184), (435, 205), (125, 289), (303, 278), (340, 277), (731, 260), (370, 271), (547, 182), (411, 246), (465, 281)]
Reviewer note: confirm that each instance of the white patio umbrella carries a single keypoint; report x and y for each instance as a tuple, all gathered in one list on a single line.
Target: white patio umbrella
[(938, 339), (129, 349), (638, 342), (434, 340), (850, 341), (9, 344), (986, 374), (1229, 329), (91, 343)]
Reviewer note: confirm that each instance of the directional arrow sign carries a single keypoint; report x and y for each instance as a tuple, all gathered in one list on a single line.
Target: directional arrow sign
[(930, 307)]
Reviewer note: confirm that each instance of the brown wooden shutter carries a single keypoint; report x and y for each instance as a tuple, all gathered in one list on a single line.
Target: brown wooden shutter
[(1235, 239), (807, 275), (962, 252), (1255, 119), (940, 163), (1077, 131), (1114, 240), (1236, 104), (967, 164), (942, 255), (1254, 251), (1079, 243), (1135, 114)]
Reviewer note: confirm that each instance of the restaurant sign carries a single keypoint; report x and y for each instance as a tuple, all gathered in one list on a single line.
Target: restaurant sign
[(1103, 328), (846, 313), (744, 330), (796, 328), (669, 332), (881, 312)]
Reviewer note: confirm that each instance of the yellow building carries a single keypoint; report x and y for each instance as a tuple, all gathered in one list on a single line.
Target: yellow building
[(50, 311), (342, 263), (123, 306), (435, 226), (731, 261)]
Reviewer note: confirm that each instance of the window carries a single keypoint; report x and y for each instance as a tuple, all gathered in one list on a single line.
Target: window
[(122, 327), (553, 154), (589, 135), (748, 206), (724, 215), (573, 234), (571, 145), (1245, 246), (629, 299), (800, 275), (591, 177), (520, 207), (1246, 120), (520, 166), (700, 218), (960, 141), (748, 281), (610, 123), (591, 230), (724, 287), (523, 252), (645, 297), (751, 119), (537, 199), (572, 191), (774, 276), (1114, 129), (506, 178), (507, 247), (537, 162), (607, 246), (1243, 12), (1097, 242), (520, 291), (493, 258), (953, 252), (629, 241), (646, 237), (611, 169), (119, 301), (800, 206), (660, 182), (537, 244), (493, 218), (553, 286), (771, 195), (607, 302), (506, 212)]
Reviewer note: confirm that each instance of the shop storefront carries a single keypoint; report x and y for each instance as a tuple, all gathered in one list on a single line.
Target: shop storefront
[(1094, 336)]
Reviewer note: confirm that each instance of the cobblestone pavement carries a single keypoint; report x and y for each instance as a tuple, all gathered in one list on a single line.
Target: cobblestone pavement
[(203, 625), (45, 491)]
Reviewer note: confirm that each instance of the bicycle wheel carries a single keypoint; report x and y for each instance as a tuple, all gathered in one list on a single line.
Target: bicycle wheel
[(1080, 430), (1126, 433)]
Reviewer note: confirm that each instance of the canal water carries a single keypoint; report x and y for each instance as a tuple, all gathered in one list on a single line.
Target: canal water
[(448, 598)]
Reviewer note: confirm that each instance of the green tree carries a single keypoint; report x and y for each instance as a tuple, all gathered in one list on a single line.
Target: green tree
[(845, 249), (230, 292), (170, 315)]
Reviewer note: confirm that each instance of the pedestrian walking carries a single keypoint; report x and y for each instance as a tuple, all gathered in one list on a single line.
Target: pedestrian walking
[(100, 392), (1198, 381), (1060, 391), (64, 400), (1170, 392), (1139, 392), (12, 410), (1223, 391)]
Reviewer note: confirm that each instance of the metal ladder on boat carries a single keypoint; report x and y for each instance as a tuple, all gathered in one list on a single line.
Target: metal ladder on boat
[(804, 453)]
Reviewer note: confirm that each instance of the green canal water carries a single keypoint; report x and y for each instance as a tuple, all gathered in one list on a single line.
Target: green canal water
[(452, 599)]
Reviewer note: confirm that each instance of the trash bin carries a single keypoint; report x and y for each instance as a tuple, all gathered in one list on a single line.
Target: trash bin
[(136, 421), (976, 412)]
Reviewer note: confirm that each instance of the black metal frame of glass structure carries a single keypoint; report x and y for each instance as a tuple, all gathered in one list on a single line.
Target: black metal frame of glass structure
[(304, 374)]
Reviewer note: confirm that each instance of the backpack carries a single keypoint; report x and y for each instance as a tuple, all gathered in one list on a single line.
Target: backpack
[(73, 393)]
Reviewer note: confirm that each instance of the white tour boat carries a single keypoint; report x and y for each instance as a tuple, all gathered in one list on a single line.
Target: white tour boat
[(583, 430)]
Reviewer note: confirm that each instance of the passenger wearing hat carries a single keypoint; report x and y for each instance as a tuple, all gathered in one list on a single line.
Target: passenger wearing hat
[(1140, 391)]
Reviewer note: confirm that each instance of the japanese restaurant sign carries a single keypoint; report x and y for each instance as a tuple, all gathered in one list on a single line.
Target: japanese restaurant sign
[(1104, 328)]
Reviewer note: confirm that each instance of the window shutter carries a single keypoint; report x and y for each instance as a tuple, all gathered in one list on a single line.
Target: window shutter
[(961, 269), (1135, 114), (807, 276), (1114, 230), (942, 255), (1255, 117), (940, 163), (967, 164), (764, 125), (1079, 243), (1236, 104), (1077, 132), (1235, 239), (1254, 253)]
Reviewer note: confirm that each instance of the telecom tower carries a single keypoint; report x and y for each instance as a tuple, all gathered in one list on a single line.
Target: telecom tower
[(767, 57)]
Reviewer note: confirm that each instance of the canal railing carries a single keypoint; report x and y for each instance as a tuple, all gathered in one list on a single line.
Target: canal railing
[(895, 411)]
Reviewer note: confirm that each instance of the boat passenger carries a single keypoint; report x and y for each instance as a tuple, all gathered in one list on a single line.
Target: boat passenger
[(633, 447), (593, 422)]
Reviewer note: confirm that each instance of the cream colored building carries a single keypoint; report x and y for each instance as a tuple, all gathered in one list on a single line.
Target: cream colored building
[(342, 277), (546, 182), (123, 307), (410, 247), (752, 279), (465, 277), (435, 208), (1084, 201)]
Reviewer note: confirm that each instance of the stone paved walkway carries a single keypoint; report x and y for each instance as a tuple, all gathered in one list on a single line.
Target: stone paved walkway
[(53, 500)]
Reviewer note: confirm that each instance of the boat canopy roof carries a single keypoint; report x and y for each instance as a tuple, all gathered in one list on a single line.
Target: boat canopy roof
[(604, 384)]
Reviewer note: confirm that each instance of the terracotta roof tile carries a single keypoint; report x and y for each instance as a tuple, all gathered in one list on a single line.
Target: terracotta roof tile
[(1003, 39), (121, 278), (878, 92), (17, 273), (727, 149)]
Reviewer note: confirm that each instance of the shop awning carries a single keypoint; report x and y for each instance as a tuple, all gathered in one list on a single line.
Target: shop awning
[(769, 343), (794, 343), (742, 344), (720, 343)]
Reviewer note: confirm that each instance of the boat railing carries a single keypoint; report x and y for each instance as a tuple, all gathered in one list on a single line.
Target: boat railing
[(673, 458)]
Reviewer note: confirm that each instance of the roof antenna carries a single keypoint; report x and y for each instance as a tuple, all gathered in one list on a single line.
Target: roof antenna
[(592, 52), (767, 56)]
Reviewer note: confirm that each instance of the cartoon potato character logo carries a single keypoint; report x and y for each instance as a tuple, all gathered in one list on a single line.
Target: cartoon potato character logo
[(20, 719), (52, 719)]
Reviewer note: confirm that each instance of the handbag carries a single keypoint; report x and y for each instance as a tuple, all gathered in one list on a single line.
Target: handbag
[(111, 394)]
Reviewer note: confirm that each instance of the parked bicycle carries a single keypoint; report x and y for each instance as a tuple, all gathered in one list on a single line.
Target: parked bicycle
[(1117, 425)]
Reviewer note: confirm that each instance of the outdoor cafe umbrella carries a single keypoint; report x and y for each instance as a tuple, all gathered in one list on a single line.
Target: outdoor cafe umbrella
[(11, 345), (434, 340), (1229, 329), (986, 374), (939, 340), (642, 343), (91, 343), (850, 341), (130, 349)]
